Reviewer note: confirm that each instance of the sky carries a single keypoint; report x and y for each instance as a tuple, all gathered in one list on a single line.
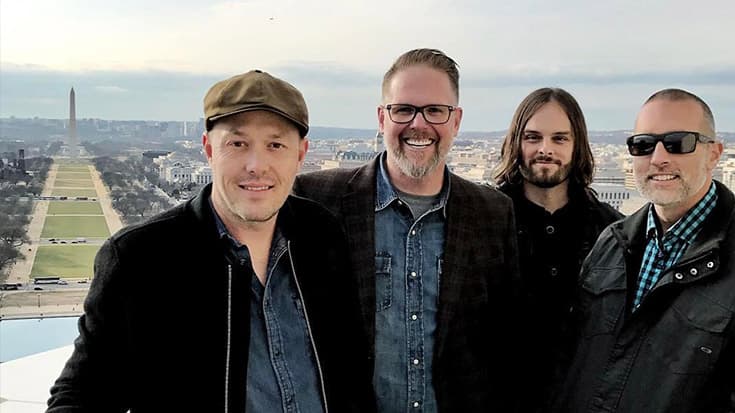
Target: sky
[(155, 60)]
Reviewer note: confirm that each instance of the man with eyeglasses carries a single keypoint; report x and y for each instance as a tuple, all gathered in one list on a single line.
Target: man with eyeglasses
[(435, 255), (656, 327)]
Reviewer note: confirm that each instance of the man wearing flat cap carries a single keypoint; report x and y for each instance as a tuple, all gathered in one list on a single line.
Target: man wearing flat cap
[(237, 300)]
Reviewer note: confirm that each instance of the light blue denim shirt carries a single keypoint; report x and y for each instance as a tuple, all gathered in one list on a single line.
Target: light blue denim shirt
[(408, 258), (282, 372)]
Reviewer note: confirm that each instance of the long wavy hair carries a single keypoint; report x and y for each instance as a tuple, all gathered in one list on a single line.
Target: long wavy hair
[(511, 158)]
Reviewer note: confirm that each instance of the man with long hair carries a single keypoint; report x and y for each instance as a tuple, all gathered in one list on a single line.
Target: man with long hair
[(546, 168)]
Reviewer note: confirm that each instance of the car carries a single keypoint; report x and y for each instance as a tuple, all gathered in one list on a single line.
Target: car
[(52, 239), (54, 242), (62, 242), (37, 288), (63, 282)]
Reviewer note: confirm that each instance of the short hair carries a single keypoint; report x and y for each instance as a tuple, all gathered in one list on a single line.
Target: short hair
[(511, 157), (433, 58), (673, 94)]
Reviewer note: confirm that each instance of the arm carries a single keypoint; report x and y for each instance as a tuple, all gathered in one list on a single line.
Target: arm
[(94, 379)]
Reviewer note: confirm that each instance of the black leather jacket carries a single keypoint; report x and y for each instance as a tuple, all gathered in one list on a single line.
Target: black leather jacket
[(676, 352), (166, 324)]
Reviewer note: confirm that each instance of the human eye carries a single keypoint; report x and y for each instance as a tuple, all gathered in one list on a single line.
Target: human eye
[(276, 145), (237, 144), (531, 137), (402, 109), (436, 110), (561, 138)]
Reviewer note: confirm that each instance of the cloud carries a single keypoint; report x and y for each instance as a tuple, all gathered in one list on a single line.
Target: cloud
[(111, 89)]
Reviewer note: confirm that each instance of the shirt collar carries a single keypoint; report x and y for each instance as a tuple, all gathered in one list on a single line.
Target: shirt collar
[(687, 227), (386, 192)]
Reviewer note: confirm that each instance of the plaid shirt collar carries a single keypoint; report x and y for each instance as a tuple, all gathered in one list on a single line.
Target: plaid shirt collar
[(386, 193), (686, 228)]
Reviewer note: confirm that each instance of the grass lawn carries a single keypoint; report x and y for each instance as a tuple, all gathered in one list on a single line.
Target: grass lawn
[(86, 183), (73, 174), (74, 192), (74, 208), (73, 227), (73, 168), (64, 260)]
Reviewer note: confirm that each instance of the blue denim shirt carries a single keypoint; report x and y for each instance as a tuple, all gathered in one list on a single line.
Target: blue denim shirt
[(282, 371), (408, 258)]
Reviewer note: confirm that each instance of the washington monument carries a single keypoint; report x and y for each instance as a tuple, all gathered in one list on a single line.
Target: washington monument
[(72, 141)]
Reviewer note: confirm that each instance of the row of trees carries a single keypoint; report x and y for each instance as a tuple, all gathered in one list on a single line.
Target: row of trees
[(17, 190), (132, 187)]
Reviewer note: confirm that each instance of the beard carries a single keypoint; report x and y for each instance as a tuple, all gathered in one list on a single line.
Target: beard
[(688, 186), (414, 168), (543, 178)]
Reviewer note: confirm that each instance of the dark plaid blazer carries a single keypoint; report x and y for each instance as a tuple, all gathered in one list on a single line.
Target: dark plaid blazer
[(475, 356)]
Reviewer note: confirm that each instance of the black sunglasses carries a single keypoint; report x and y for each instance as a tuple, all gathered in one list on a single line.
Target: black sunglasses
[(678, 142)]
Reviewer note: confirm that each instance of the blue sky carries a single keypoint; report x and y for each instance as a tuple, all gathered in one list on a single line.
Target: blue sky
[(155, 60)]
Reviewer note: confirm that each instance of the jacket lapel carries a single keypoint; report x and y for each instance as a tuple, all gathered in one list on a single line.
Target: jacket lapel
[(453, 271), (358, 212)]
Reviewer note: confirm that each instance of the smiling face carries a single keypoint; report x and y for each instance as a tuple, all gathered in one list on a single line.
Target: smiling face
[(417, 150), (547, 147), (254, 158), (674, 182)]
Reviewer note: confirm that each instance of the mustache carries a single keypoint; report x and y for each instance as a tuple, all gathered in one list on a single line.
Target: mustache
[(546, 159)]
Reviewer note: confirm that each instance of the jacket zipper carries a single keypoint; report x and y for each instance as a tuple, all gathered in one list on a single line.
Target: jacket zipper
[(229, 335), (308, 327)]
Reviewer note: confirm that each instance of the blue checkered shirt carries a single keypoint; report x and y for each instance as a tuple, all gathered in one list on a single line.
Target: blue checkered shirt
[(662, 253)]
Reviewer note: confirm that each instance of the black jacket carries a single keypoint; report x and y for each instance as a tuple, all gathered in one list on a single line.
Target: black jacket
[(676, 352), (475, 356), (551, 250), (166, 322)]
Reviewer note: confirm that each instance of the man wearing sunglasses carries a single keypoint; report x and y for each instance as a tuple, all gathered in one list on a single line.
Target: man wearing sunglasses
[(435, 254), (656, 324)]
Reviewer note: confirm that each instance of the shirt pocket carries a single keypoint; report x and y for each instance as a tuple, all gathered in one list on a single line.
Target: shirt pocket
[(602, 300), (383, 281), (689, 338)]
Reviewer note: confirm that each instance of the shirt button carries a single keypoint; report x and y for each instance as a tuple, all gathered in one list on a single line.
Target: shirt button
[(550, 229), (693, 271), (415, 404), (413, 232), (679, 276), (413, 274), (414, 317), (415, 362), (400, 202), (710, 264)]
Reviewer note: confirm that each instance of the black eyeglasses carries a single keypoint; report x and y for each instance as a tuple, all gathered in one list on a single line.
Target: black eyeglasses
[(678, 142), (434, 114)]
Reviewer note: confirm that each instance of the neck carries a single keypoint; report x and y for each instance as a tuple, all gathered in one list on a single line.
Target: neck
[(256, 236), (430, 184), (550, 198)]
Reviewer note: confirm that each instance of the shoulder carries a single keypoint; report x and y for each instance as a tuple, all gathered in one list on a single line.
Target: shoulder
[(603, 213), (467, 191)]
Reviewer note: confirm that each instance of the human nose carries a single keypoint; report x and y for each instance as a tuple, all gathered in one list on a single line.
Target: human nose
[(254, 162), (545, 146), (660, 155)]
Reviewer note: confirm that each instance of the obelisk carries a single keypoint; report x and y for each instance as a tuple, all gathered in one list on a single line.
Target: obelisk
[(72, 120)]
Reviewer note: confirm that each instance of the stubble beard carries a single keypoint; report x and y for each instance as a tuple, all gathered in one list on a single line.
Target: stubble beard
[(665, 198)]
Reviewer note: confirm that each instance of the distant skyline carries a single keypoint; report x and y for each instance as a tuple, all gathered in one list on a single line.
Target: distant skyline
[(155, 60)]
